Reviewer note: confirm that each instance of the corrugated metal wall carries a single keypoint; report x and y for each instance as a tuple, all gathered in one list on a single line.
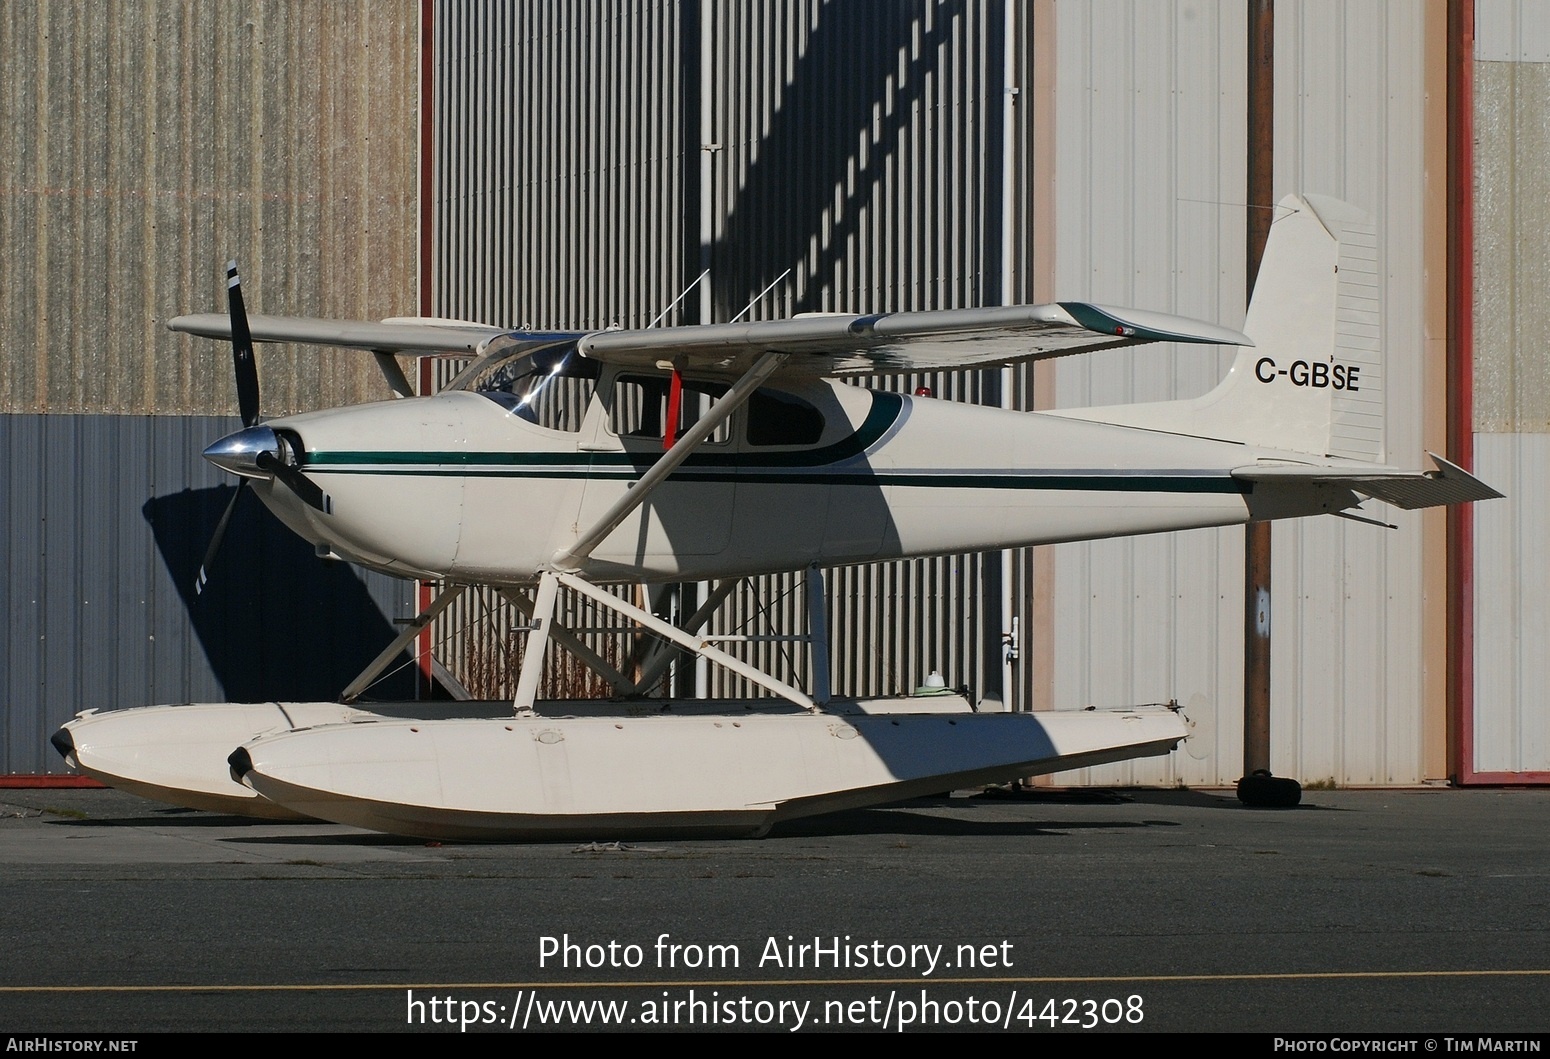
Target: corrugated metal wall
[(1150, 186), (857, 146), (860, 147), (1512, 387), (108, 518), (1149, 178), (141, 144), (558, 200), (1350, 650), (589, 161), (559, 162)]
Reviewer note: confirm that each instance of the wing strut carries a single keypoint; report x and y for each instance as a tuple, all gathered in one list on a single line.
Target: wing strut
[(402, 640), (393, 372), (571, 559)]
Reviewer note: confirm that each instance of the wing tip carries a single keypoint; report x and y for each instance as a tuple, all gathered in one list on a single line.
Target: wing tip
[(1145, 325)]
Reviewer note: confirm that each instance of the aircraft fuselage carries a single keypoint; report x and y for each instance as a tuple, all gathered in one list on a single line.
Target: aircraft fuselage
[(482, 486)]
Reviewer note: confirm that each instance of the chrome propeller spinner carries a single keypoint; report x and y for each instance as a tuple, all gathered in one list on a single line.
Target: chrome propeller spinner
[(256, 451)]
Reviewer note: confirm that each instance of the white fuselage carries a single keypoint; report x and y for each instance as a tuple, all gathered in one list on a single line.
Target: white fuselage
[(458, 486)]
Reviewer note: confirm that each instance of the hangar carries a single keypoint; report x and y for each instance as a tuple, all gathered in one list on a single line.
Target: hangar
[(579, 164)]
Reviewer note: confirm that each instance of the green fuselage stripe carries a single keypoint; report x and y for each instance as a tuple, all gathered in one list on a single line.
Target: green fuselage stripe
[(833, 464), (1111, 483)]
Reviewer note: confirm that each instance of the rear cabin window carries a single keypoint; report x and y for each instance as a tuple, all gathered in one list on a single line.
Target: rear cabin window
[(776, 418)]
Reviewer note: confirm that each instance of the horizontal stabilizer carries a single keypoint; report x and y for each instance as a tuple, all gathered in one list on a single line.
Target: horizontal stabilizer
[(1410, 490)]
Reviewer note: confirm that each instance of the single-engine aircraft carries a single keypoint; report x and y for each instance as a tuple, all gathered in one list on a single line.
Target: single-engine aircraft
[(564, 461)]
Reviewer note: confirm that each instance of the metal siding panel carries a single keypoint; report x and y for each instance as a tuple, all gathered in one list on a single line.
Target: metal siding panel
[(170, 463), (24, 44), (1074, 176), (1533, 43), (1396, 609), (579, 196), (132, 591), (1512, 607), (1511, 409), (107, 519), (1348, 101), (1111, 224), (1306, 624), (97, 502), (1499, 631), (1149, 154), (9, 596), (1496, 31), (1533, 727), (25, 583), (832, 138), (61, 637), (1513, 31)]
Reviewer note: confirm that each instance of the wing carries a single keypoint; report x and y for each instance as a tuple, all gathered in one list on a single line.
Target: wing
[(824, 343), (948, 340), (1409, 490), (415, 336)]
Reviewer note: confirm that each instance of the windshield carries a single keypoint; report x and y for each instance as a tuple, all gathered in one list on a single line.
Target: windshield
[(550, 386)]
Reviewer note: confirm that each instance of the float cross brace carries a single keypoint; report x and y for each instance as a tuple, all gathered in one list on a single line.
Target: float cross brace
[(543, 621)]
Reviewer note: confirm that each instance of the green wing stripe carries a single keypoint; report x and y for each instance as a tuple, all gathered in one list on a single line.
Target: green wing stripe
[(1095, 319)]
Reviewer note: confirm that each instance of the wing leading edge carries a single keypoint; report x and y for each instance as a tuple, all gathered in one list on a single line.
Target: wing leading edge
[(943, 340), (821, 344), (414, 336)]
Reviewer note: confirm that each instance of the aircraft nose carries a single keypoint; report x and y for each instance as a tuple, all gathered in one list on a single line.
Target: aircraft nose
[(239, 453)]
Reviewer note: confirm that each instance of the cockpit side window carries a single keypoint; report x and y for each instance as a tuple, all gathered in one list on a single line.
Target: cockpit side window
[(776, 418), (549, 387), (640, 407)]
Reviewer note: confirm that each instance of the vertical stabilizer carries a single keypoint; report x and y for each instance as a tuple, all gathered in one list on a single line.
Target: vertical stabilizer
[(1313, 380)]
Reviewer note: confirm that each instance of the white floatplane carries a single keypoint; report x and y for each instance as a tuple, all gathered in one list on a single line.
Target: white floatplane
[(561, 461)]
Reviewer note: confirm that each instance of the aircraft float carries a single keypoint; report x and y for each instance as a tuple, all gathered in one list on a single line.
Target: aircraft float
[(566, 461)]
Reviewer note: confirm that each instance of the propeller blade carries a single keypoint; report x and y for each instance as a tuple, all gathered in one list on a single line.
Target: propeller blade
[(215, 540), (295, 481), (242, 348)]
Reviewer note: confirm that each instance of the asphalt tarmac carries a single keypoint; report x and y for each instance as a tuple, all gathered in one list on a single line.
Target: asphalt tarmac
[(1392, 911)]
